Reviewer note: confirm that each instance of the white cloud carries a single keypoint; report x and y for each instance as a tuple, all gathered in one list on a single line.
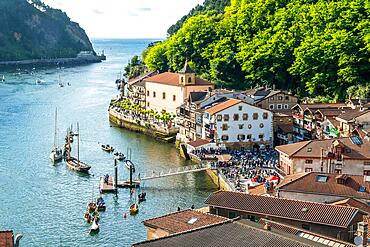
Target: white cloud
[(125, 18)]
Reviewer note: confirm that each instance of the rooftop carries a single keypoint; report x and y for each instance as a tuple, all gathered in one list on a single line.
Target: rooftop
[(350, 115), (186, 69), (6, 238), (222, 106), (198, 142), (242, 233), (351, 202), (184, 221), (308, 183), (172, 79), (319, 213)]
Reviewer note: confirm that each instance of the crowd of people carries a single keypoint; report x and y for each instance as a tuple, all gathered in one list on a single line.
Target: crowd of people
[(245, 168)]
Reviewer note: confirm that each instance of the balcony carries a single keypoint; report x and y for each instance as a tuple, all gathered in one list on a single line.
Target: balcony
[(308, 118), (298, 115)]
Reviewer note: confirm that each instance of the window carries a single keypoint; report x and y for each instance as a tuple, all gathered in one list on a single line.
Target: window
[(147, 93), (366, 172), (182, 79), (249, 136), (153, 94), (174, 97), (309, 150), (279, 106), (148, 104), (224, 137), (271, 106), (225, 127), (245, 116), (308, 170), (280, 98), (265, 115), (163, 95), (226, 117), (260, 136), (286, 106), (255, 116), (309, 161), (240, 108), (236, 117), (366, 163), (261, 125), (219, 117), (241, 137), (306, 227), (232, 215), (241, 126), (286, 97), (189, 79), (321, 178), (249, 126), (272, 98)]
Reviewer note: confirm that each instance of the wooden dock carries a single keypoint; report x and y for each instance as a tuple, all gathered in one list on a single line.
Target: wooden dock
[(110, 188)]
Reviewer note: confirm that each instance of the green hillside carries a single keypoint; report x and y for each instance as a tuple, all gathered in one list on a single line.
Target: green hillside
[(314, 48)]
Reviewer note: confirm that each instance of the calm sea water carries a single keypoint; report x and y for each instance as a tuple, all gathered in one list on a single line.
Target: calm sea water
[(46, 202)]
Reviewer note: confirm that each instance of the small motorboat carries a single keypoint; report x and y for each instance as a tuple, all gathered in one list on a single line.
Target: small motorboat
[(134, 208), (61, 84), (56, 154), (94, 227), (100, 204), (2, 78), (39, 81), (91, 207), (107, 148), (119, 156), (88, 218), (130, 165), (142, 196)]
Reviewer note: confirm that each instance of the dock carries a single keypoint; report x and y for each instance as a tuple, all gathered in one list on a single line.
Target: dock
[(110, 188)]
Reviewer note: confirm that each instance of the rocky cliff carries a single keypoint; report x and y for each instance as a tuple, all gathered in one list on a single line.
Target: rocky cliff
[(32, 30)]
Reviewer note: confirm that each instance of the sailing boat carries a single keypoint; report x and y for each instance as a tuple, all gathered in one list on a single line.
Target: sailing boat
[(56, 153), (2, 78), (73, 163)]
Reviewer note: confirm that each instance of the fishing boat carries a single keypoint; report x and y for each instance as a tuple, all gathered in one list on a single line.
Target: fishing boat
[(88, 218), (107, 148), (129, 165), (100, 204), (56, 153), (76, 164), (94, 227), (134, 208), (119, 156)]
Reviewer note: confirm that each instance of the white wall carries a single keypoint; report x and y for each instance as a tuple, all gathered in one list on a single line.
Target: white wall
[(158, 103)]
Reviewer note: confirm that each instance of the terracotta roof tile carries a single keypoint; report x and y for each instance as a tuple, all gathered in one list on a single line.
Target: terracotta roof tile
[(291, 149), (178, 221), (319, 213), (170, 78), (306, 183), (351, 202), (198, 143), (222, 106), (6, 238), (350, 115)]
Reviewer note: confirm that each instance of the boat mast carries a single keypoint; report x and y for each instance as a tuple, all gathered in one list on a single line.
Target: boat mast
[(78, 144), (69, 144), (55, 129)]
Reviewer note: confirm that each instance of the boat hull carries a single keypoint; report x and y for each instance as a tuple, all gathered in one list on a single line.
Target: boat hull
[(73, 164), (56, 155)]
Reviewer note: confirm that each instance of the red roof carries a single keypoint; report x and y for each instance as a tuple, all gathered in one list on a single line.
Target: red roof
[(6, 238), (222, 106), (198, 143), (170, 78)]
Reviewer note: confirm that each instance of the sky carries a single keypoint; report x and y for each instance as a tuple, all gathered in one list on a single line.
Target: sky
[(125, 18)]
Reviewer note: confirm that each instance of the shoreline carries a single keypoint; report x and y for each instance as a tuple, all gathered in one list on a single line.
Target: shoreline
[(49, 62)]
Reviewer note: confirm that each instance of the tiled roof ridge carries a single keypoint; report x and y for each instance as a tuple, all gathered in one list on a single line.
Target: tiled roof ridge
[(184, 210), (188, 231), (299, 149), (306, 231), (304, 174)]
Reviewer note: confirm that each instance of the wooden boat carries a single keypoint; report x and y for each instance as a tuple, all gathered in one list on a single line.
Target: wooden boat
[(100, 204), (94, 227), (130, 164), (56, 153), (88, 218), (134, 208), (107, 148), (119, 156), (76, 164), (91, 207)]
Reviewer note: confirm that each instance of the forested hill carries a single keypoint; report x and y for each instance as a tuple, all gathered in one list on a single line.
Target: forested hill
[(316, 48), (32, 30), (216, 6)]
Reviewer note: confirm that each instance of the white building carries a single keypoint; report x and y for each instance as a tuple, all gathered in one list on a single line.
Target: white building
[(167, 91), (235, 123)]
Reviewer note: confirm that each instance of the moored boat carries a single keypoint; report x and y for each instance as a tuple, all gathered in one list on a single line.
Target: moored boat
[(94, 227), (134, 208), (100, 204), (73, 163), (56, 153), (88, 218), (91, 207), (119, 156), (129, 165), (107, 148)]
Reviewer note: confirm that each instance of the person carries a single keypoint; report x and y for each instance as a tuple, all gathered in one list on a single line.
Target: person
[(178, 209)]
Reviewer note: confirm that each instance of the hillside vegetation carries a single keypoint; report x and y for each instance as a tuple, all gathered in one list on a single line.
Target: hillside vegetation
[(316, 48), (32, 30)]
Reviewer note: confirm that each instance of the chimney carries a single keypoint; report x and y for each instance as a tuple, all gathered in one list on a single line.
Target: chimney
[(361, 238)]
